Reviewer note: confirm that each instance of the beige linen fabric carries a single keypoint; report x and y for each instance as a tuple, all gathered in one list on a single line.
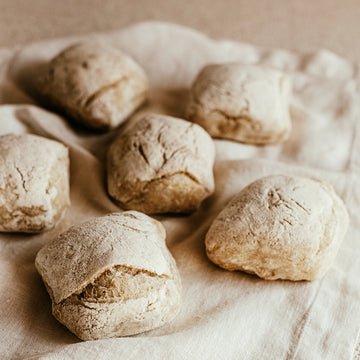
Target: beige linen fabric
[(225, 315)]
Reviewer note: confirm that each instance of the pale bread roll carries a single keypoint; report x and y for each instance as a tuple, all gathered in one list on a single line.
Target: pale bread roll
[(245, 103), (161, 164), (111, 276), (279, 227), (95, 84), (34, 183)]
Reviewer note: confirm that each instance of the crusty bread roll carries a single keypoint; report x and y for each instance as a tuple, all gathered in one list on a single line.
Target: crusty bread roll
[(34, 183), (279, 227), (239, 102), (95, 84), (111, 276), (161, 164)]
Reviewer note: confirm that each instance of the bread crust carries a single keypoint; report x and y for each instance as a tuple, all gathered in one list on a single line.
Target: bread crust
[(279, 227), (95, 84), (34, 183), (161, 164), (111, 276), (245, 103)]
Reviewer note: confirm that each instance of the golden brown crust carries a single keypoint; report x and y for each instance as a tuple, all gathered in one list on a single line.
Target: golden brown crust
[(239, 102), (95, 84), (34, 183), (111, 276), (279, 227), (161, 164)]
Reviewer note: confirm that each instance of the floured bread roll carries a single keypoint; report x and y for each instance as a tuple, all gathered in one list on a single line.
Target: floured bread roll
[(239, 102), (161, 164), (34, 183), (95, 84), (279, 227), (111, 276)]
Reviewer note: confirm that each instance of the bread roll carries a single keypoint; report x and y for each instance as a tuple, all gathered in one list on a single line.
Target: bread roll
[(34, 183), (279, 227), (239, 102), (111, 276), (95, 84), (161, 164)]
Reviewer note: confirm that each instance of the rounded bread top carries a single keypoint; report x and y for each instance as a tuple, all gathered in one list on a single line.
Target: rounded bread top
[(26, 164), (80, 70), (293, 219), (157, 146), (247, 103), (96, 84)]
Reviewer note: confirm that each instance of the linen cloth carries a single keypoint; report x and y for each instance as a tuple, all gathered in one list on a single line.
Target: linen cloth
[(225, 315)]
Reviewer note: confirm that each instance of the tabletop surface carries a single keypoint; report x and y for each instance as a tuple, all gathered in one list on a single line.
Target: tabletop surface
[(304, 25)]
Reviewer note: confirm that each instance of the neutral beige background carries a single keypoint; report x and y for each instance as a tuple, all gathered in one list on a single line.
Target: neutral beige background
[(293, 24)]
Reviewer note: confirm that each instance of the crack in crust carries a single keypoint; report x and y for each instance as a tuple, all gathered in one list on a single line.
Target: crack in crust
[(148, 184), (275, 199), (241, 120), (119, 283), (132, 228), (231, 127), (142, 153), (103, 90), (167, 176), (22, 178), (164, 149)]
